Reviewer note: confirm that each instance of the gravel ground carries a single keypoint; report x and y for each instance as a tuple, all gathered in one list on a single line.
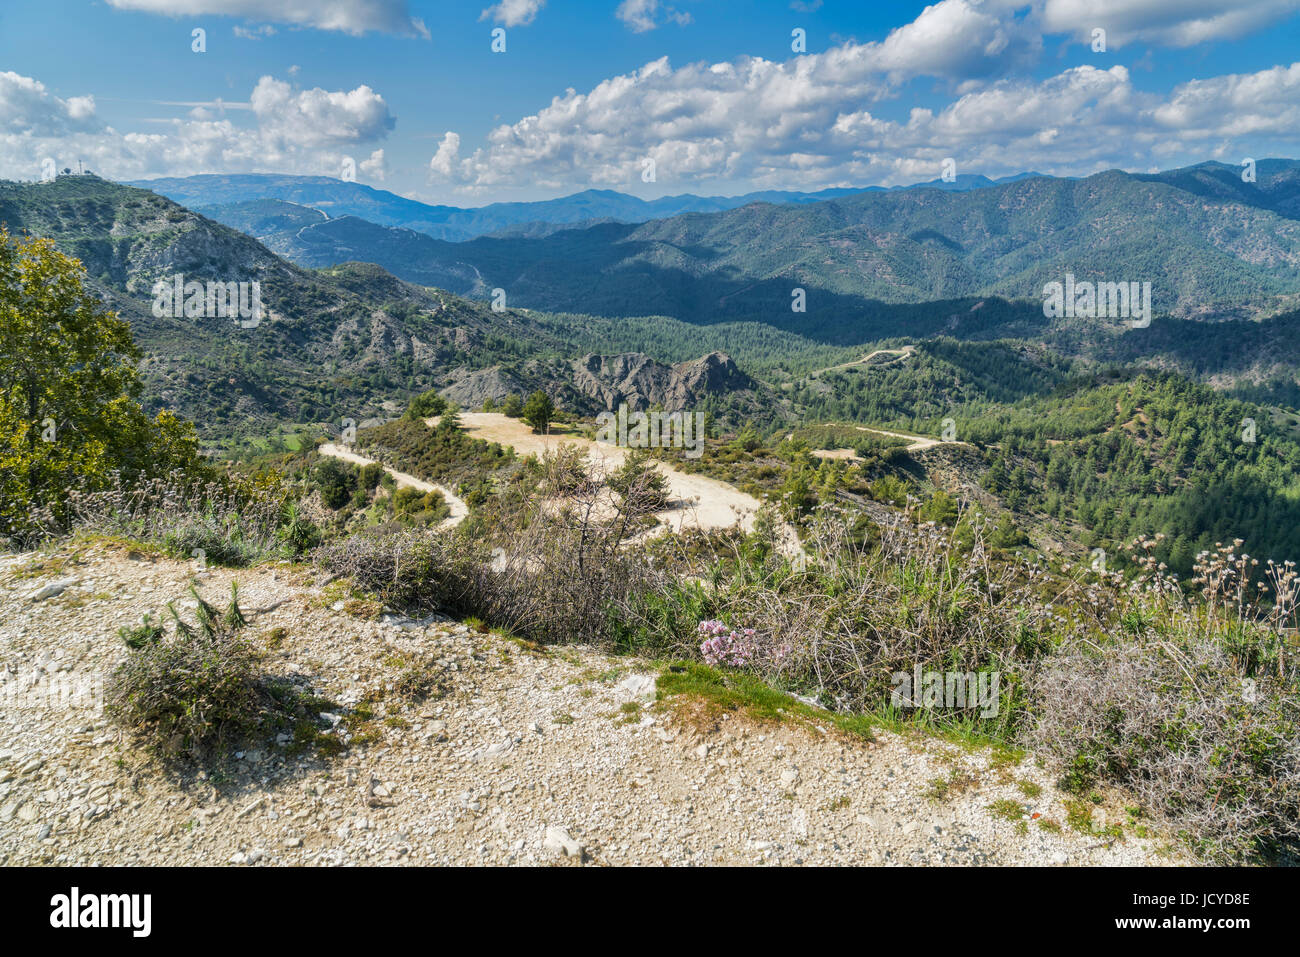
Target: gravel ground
[(526, 757)]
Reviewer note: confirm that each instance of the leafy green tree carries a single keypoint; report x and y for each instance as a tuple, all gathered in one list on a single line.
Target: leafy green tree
[(69, 415), (336, 482), (512, 406), (426, 405), (538, 411)]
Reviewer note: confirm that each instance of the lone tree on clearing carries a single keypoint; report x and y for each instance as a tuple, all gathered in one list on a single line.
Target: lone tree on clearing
[(538, 411)]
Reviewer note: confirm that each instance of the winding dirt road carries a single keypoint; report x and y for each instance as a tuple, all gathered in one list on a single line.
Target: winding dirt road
[(900, 353), (696, 500), (459, 510), (918, 442)]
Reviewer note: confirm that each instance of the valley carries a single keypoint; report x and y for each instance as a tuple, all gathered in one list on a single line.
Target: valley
[(967, 432)]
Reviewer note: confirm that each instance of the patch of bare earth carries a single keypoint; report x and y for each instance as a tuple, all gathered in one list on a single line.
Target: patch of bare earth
[(519, 756), (695, 501)]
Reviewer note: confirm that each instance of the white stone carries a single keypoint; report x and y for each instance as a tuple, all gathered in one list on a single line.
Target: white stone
[(636, 687), (559, 842), (52, 589)]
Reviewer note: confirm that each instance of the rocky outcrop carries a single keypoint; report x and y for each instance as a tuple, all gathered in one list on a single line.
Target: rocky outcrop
[(595, 383), (469, 389), (641, 382)]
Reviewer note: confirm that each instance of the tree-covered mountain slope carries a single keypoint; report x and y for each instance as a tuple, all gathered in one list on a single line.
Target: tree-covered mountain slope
[(1211, 249), (347, 342)]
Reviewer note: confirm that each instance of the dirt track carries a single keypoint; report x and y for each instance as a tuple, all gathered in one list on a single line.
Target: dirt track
[(697, 501), (902, 353), (459, 510), (918, 442)]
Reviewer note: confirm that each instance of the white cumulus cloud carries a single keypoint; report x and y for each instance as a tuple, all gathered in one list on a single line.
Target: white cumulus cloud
[(374, 166), (316, 117), (347, 16), (444, 162), (1178, 24), (959, 38), (291, 130), (815, 121), (640, 16), (27, 108), (513, 13)]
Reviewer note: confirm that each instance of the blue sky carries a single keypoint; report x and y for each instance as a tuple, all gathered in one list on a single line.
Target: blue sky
[(586, 94)]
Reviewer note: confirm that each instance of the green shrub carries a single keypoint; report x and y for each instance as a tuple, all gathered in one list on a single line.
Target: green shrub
[(200, 690), (426, 405), (297, 533), (336, 481), (219, 543)]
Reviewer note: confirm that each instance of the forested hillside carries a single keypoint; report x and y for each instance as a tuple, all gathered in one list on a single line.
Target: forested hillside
[(1209, 248), (1107, 455)]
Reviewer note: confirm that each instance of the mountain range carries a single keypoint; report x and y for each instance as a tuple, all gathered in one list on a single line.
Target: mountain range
[(226, 195), (354, 341), (1212, 245), (226, 198), (351, 341), (361, 313)]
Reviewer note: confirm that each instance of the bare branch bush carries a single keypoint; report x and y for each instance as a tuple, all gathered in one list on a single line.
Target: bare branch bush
[(546, 561), (1210, 753), (1189, 704), (232, 526)]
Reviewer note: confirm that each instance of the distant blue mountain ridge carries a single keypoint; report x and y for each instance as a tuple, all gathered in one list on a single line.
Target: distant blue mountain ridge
[(232, 198)]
